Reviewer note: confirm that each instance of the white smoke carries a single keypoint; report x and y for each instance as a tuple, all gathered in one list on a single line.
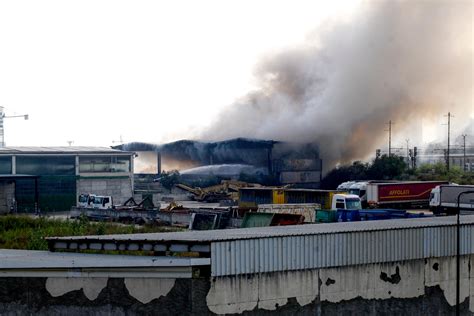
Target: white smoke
[(397, 60)]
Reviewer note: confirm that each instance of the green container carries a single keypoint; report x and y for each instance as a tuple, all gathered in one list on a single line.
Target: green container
[(326, 216), (252, 219)]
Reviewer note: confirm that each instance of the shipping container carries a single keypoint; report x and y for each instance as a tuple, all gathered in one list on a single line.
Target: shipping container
[(374, 215), (251, 198), (348, 215), (288, 177), (306, 210), (326, 216), (253, 219)]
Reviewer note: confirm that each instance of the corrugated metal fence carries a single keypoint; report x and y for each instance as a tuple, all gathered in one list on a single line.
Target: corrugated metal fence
[(271, 254)]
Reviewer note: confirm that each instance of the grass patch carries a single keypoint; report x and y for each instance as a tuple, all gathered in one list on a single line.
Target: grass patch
[(25, 232)]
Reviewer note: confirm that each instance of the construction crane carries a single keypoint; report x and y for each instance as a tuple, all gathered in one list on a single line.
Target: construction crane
[(2, 130)]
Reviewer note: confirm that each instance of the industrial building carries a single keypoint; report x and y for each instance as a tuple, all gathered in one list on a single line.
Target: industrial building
[(51, 178), (458, 157), (297, 164)]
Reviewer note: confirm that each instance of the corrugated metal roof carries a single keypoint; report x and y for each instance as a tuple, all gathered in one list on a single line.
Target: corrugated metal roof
[(270, 249), (262, 255), (30, 259), (42, 264), (60, 150), (280, 231)]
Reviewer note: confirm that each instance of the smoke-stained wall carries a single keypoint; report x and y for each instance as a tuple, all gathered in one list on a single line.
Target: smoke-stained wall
[(288, 162), (186, 154)]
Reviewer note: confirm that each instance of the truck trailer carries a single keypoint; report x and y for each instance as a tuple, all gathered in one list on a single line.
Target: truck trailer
[(401, 194), (444, 199), (359, 188)]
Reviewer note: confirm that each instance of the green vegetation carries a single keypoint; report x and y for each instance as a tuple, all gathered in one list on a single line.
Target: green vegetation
[(439, 172), (23, 232), (394, 168)]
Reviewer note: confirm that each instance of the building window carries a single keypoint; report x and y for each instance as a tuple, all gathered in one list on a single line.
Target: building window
[(104, 164), (5, 165), (45, 165)]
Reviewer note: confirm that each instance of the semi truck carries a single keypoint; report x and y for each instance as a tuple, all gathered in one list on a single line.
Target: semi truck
[(359, 188), (444, 199), (407, 194)]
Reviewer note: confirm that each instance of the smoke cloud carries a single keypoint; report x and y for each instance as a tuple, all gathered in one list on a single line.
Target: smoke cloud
[(401, 61)]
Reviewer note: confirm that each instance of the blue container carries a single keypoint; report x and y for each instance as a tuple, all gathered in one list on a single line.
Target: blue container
[(418, 215), (397, 213), (373, 215), (348, 215)]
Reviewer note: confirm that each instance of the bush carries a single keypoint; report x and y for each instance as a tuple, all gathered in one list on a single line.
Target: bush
[(24, 232)]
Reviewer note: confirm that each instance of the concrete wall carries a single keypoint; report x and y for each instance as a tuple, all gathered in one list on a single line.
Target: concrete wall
[(7, 194), (414, 287), (417, 287), (120, 188)]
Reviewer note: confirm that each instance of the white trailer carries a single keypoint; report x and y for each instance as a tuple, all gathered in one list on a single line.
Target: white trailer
[(444, 199)]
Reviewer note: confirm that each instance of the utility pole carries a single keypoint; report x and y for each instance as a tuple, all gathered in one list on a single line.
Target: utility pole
[(464, 149), (449, 134), (415, 153), (2, 129), (408, 154), (389, 138)]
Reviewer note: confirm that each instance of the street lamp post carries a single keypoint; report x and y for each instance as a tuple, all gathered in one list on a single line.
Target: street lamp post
[(458, 249)]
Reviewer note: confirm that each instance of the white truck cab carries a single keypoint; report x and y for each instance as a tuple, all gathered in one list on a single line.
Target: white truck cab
[(102, 202), (345, 185), (85, 200), (346, 202), (359, 189), (434, 197)]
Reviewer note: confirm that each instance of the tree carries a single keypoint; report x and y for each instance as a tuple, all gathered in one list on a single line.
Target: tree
[(356, 171), (439, 172), (383, 168), (387, 168)]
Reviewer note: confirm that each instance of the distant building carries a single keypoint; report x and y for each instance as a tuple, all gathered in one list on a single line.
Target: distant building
[(456, 158), (57, 175)]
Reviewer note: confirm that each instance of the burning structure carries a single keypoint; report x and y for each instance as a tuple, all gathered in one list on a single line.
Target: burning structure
[(397, 61), (286, 163)]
